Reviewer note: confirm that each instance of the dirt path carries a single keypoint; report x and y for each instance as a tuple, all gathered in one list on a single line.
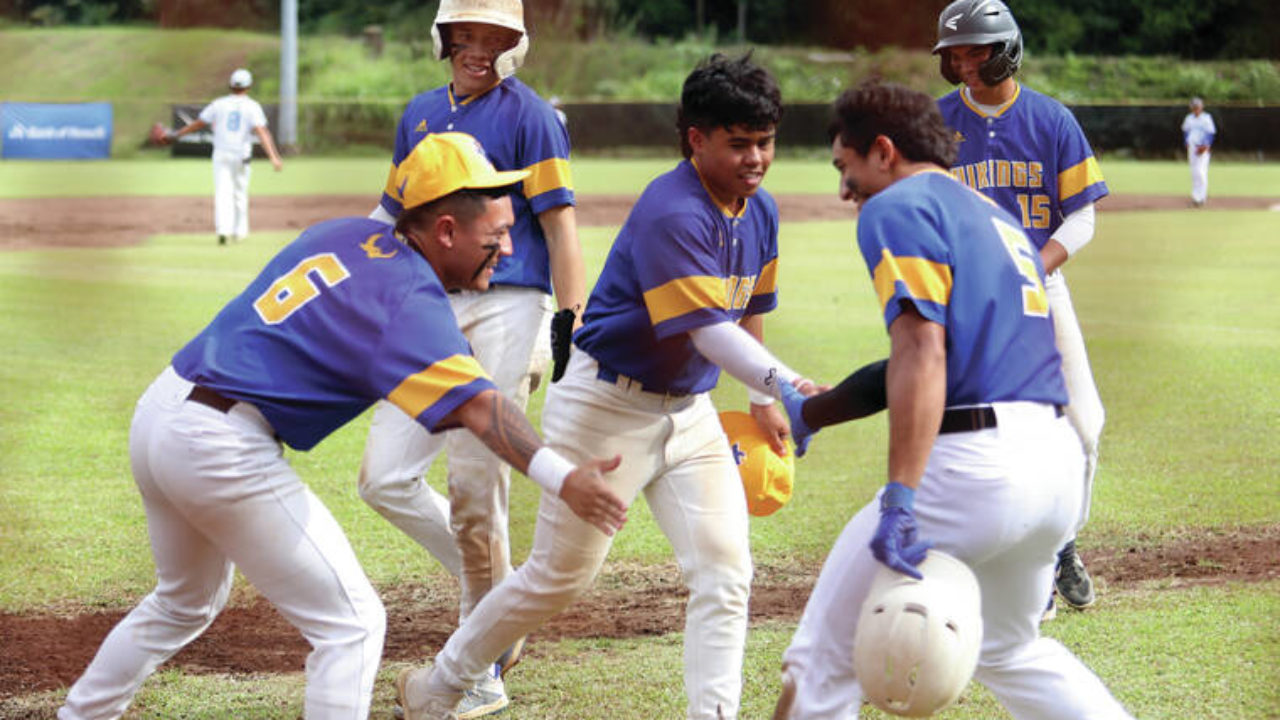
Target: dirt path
[(44, 652), (119, 221)]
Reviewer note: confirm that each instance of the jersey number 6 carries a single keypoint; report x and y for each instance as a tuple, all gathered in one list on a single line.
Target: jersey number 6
[(298, 287)]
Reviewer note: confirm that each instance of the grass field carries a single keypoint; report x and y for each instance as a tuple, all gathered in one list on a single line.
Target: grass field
[(809, 173), (1184, 345)]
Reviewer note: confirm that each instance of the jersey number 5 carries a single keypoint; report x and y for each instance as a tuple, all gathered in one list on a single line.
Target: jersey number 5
[(1034, 300), (298, 287)]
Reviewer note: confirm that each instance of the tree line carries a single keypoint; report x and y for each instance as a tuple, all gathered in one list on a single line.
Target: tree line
[(1199, 29)]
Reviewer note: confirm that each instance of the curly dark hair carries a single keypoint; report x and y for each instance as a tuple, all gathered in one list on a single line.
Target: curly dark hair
[(724, 92), (910, 119)]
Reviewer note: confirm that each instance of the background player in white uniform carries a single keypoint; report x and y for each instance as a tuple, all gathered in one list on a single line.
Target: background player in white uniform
[(351, 311), (1197, 134), (484, 40), (1027, 152), (694, 264), (233, 117), (980, 459)]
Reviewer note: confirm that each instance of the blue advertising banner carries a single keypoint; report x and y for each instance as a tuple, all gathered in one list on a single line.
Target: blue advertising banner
[(46, 131)]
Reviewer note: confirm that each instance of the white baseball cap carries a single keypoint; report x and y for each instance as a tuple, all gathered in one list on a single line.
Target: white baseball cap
[(241, 78)]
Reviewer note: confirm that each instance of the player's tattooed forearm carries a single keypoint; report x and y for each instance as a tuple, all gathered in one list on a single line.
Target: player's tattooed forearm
[(509, 434)]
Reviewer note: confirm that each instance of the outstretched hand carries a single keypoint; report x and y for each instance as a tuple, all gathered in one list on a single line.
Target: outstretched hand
[(590, 497), (793, 400)]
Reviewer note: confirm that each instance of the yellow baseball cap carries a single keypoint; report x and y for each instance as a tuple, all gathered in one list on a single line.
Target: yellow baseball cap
[(443, 163), (767, 478)]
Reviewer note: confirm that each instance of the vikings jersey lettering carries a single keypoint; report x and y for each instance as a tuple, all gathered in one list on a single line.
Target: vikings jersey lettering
[(519, 131), (345, 315), (1031, 157), (965, 264), (680, 262)]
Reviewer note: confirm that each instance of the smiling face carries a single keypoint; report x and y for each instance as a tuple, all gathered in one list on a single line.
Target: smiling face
[(861, 176), (478, 245), (472, 49), (966, 60), (732, 161)]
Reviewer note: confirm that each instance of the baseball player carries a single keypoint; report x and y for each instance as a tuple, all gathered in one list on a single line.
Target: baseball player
[(233, 117), (680, 297), (1197, 132), (485, 42), (350, 311), (1027, 152), (981, 464)]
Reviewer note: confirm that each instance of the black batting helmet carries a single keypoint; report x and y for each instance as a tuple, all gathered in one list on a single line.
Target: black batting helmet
[(980, 22)]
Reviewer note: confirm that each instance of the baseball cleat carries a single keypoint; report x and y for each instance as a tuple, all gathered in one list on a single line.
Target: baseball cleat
[(429, 708), (1072, 580), (488, 697)]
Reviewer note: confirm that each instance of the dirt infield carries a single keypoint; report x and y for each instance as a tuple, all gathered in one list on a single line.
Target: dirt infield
[(120, 221), (45, 652)]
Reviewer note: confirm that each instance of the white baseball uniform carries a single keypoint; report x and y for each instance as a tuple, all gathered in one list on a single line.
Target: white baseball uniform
[(1198, 130), (233, 118)]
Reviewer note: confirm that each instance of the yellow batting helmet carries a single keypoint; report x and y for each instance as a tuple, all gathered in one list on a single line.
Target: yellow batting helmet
[(766, 476)]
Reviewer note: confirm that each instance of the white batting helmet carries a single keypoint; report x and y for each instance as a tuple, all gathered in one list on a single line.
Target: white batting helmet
[(503, 13), (918, 640), (241, 79)]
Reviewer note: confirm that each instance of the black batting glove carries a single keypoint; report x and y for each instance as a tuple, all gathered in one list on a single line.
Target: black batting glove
[(561, 339)]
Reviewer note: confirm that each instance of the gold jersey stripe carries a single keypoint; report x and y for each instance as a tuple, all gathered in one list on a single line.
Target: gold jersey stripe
[(1076, 178), (768, 281), (424, 389), (925, 280), (550, 174), (684, 295)]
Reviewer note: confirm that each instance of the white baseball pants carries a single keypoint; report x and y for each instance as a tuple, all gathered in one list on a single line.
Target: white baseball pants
[(1084, 407), (1003, 500), (509, 330), (230, 195), (674, 450), (218, 495), (1199, 174)]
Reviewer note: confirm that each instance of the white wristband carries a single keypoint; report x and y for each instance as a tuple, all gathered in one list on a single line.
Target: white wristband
[(549, 469), (758, 398)]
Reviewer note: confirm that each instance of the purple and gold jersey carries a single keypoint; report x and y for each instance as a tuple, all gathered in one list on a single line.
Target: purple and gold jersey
[(1031, 157), (519, 131), (965, 264), (345, 315), (680, 262)]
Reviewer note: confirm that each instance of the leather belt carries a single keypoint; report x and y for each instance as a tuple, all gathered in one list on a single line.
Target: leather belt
[(970, 419), (616, 378), (209, 398)]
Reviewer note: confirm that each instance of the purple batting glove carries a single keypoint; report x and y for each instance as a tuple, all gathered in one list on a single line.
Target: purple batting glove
[(895, 542), (793, 401)]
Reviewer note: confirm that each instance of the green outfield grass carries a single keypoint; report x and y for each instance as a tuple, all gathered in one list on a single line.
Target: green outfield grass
[(1183, 344), (809, 172)]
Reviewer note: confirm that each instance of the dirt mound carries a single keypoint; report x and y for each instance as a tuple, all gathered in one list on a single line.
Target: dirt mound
[(44, 652)]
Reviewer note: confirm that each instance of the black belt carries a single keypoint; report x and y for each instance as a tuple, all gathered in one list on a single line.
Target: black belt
[(209, 398), (612, 376), (974, 418)]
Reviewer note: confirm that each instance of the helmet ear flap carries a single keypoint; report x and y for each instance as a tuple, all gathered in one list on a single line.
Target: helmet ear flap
[(944, 66), (1004, 62)]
